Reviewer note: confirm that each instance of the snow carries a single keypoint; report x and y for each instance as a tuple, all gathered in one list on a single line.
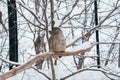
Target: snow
[(29, 74), (66, 65), (89, 75)]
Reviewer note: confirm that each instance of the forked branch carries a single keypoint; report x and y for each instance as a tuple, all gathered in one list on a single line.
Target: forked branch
[(38, 57)]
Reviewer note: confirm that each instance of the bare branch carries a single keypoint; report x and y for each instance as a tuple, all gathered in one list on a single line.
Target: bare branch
[(92, 30), (38, 57), (41, 73), (106, 73), (7, 61), (31, 13), (1, 22)]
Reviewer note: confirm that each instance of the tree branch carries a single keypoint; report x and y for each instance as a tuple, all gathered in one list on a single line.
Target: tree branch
[(106, 73), (97, 27), (38, 57)]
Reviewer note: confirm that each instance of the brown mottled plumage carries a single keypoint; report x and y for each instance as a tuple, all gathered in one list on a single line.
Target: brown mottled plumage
[(57, 41)]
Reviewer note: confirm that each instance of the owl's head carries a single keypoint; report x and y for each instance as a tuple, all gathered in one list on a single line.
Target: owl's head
[(55, 31)]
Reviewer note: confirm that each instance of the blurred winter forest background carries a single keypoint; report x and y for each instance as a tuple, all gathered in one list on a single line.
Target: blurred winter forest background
[(76, 18)]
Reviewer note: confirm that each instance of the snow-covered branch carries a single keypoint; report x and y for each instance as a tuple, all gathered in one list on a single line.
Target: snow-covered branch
[(106, 73), (7, 61), (97, 27), (42, 56)]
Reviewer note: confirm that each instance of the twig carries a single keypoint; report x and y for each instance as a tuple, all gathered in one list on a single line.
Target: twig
[(41, 73), (87, 69), (10, 62), (38, 57), (98, 26), (31, 13)]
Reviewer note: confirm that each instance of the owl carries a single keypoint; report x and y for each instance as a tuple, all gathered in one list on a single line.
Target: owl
[(57, 41)]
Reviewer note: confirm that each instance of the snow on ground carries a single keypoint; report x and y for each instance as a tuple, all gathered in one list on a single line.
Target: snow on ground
[(61, 70), (65, 65)]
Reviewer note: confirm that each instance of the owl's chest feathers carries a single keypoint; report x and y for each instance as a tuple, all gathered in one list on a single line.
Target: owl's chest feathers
[(58, 39), (58, 43)]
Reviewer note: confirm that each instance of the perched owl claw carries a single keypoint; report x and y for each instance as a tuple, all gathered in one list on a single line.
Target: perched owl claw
[(55, 59)]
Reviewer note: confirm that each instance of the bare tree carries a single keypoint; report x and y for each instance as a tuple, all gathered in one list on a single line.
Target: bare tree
[(76, 19)]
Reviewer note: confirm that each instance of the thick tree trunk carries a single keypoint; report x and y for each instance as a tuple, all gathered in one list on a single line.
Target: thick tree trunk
[(13, 42)]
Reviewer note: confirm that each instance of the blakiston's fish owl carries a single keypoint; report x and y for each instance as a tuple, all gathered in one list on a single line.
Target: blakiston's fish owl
[(57, 41)]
